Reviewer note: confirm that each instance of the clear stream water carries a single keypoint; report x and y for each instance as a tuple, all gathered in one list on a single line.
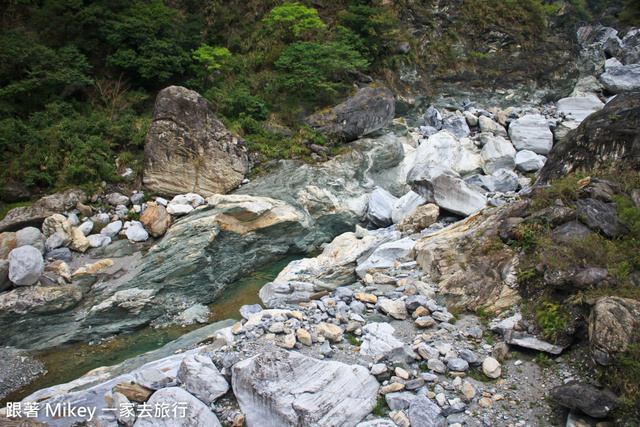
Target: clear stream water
[(68, 363)]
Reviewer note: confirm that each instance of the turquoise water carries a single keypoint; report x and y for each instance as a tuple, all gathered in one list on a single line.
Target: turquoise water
[(68, 363)]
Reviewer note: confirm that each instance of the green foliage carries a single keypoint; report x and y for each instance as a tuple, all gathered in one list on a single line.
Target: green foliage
[(484, 315), (628, 215), (314, 69), (238, 100), (353, 340), (6, 208), (371, 31), (542, 360), (293, 20), (32, 74), (210, 58), (381, 409), (552, 319), (145, 40)]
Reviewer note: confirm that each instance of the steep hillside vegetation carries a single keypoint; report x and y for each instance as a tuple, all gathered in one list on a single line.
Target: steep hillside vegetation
[(78, 77)]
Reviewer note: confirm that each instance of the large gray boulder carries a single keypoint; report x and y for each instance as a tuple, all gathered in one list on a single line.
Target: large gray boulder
[(385, 256), (283, 388), (34, 214), (531, 132), (188, 149), (31, 236), (445, 150), (380, 207), (200, 377), (369, 110), (612, 325), (446, 189), (405, 205), (504, 180), (580, 107), (189, 410), (26, 265), (496, 154), (622, 78)]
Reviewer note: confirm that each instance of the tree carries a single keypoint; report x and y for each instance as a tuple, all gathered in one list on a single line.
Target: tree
[(210, 58), (312, 68), (293, 19)]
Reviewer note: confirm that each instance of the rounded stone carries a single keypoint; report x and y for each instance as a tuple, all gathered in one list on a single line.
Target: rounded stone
[(26, 265)]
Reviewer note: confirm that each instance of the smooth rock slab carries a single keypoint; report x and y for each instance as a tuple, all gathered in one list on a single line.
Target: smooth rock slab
[(201, 378), (283, 388), (196, 413)]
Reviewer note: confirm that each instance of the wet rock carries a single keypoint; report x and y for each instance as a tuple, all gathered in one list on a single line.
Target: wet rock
[(531, 132), (585, 397), (195, 412), (369, 110), (287, 388), (201, 378), (210, 160), (26, 265), (446, 189)]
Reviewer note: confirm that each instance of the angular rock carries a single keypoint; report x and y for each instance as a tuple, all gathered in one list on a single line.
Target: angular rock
[(471, 118), (195, 412), (115, 199), (622, 78), (121, 404), (378, 338), (405, 205), (498, 153), (598, 216), (133, 392), (188, 149), (457, 126), (393, 308), (443, 149), (58, 224), (585, 397), (286, 388), (424, 413), (527, 340), (504, 180), (488, 125), (528, 161), (531, 132), (155, 219), (433, 118), (562, 129), (5, 283), (26, 265), (421, 218), (98, 240), (79, 243), (331, 332), (458, 365), (385, 256), (201, 378), (136, 232), (446, 189), (86, 227), (112, 229), (580, 107), (369, 110), (380, 207)]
